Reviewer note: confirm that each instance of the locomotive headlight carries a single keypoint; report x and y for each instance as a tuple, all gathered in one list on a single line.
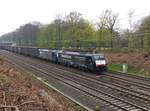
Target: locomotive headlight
[(100, 62)]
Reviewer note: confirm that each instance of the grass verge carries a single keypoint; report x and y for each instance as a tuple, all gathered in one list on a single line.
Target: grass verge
[(118, 67)]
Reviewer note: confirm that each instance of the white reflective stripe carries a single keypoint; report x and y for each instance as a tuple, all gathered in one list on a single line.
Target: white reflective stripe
[(100, 62), (44, 50)]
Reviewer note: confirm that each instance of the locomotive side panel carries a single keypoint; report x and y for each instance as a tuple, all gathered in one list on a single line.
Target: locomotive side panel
[(34, 52)]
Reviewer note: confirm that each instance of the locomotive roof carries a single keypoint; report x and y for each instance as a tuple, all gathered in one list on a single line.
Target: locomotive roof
[(94, 54), (82, 53)]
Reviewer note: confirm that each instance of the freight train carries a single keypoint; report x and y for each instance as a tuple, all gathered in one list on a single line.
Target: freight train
[(93, 62)]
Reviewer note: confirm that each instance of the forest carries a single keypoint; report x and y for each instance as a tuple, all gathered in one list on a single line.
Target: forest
[(74, 32)]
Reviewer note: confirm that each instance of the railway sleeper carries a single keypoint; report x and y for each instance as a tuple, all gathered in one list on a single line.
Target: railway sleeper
[(135, 109), (118, 103), (122, 104), (127, 106)]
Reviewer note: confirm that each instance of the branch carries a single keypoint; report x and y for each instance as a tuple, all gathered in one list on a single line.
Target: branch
[(4, 106), (4, 99), (25, 103)]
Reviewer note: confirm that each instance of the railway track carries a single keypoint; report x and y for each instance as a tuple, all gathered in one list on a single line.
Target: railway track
[(114, 89), (81, 83), (132, 76), (142, 87), (97, 81), (142, 83)]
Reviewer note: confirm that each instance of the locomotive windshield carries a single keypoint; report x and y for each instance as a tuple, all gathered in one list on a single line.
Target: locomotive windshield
[(99, 57)]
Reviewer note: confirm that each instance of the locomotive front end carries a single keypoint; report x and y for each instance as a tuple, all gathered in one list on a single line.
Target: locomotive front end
[(100, 62)]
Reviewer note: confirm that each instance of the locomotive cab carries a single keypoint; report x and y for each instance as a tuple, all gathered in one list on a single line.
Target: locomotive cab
[(100, 62)]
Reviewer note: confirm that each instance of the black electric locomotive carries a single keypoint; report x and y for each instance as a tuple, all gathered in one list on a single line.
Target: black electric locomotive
[(91, 62)]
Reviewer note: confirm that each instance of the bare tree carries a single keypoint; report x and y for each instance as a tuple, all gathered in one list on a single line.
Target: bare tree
[(58, 23), (108, 19), (130, 14), (74, 17), (107, 23)]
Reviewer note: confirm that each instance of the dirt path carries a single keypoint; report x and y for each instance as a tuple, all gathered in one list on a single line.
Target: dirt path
[(20, 92)]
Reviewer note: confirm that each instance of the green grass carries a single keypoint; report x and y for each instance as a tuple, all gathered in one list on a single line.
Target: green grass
[(115, 67), (131, 69), (4, 80)]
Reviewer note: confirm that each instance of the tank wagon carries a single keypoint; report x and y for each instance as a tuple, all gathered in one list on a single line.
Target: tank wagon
[(85, 61)]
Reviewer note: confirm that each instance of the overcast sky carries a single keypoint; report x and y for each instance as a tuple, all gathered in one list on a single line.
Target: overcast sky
[(14, 13)]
